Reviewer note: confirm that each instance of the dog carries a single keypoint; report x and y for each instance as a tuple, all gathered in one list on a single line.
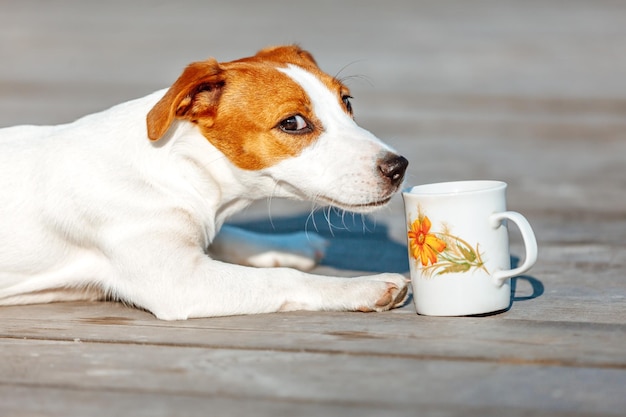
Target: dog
[(128, 204)]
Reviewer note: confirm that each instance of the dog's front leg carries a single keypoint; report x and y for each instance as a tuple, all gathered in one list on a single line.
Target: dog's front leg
[(179, 285), (301, 250)]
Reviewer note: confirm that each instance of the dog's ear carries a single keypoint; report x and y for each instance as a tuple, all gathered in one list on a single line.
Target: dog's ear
[(193, 96)]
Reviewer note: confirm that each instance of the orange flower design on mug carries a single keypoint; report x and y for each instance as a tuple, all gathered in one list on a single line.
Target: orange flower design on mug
[(441, 252), (424, 246)]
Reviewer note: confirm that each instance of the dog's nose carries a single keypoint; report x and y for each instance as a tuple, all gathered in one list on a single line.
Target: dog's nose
[(393, 168)]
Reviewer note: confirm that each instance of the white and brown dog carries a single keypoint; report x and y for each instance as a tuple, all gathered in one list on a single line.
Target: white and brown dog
[(127, 203)]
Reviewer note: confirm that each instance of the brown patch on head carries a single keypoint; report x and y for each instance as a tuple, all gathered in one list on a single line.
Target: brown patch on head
[(293, 54), (290, 54), (241, 106)]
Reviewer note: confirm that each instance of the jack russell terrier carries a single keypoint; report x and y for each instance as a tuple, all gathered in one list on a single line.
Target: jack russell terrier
[(126, 204)]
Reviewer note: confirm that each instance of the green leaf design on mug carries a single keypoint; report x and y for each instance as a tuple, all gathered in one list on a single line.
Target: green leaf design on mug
[(442, 252)]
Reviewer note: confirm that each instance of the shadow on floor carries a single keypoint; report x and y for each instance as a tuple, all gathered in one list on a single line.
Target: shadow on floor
[(535, 284), (357, 242)]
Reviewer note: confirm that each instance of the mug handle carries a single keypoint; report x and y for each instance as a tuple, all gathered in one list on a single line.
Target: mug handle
[(530, 242)]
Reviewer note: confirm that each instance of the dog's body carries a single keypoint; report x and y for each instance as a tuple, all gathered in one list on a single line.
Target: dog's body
[(95, 209)]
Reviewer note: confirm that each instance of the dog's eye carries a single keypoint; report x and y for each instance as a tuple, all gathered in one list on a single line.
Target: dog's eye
[(295, 124), (346, 103)]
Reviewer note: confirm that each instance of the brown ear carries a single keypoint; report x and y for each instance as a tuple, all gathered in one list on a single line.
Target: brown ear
[(194, 95)]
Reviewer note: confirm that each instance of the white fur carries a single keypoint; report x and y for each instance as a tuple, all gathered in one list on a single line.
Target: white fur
[(94, 208)]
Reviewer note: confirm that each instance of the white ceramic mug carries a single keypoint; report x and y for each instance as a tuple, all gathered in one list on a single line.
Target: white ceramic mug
[(458, 247)]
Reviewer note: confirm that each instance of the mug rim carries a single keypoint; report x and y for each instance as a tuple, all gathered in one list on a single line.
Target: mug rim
[(450, 188)]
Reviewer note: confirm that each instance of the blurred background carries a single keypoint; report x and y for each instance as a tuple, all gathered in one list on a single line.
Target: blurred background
[(529, 92)]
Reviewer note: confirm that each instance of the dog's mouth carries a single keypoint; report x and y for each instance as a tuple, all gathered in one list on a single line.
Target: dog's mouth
[(358, 205), (358, 208)]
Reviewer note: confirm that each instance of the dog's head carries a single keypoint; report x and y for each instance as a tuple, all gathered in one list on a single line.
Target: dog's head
[(277, 113)]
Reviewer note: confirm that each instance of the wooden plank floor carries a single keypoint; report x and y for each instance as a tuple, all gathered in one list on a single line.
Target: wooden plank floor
[(531, 93)]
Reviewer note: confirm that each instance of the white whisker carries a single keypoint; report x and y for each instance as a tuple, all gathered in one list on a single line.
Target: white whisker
[(269, 204)]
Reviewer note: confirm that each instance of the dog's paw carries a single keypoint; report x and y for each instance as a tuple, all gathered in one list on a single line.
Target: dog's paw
[(302, 251), (386, 291)]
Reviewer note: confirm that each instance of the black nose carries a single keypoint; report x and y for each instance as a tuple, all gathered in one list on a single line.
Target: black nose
[(393, 168)]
